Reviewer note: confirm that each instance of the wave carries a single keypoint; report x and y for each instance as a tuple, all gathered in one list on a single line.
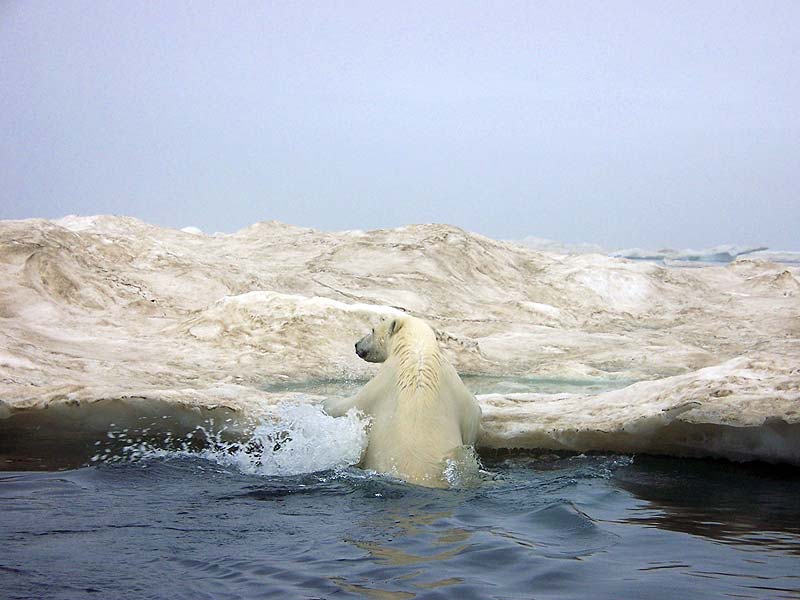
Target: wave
[(294, 439), (284, 439), (289, 439)]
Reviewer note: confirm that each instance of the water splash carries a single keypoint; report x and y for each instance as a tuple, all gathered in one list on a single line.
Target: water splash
[(293, 439), (463, 468)]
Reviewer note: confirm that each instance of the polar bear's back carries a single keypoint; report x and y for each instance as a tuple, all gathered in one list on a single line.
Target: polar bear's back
[(412, 438), (424, 414), (421, 412)]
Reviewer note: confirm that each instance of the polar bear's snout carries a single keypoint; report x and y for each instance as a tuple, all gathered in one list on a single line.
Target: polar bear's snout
[(373, 346), (359, 350), (364, 348)]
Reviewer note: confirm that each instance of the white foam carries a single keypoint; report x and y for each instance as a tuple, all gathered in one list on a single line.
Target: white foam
[(294, 439)]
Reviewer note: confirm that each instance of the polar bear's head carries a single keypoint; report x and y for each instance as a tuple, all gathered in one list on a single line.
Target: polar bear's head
[(376, 345)]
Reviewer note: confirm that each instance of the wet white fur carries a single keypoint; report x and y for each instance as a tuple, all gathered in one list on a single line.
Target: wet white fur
[(422, 414)]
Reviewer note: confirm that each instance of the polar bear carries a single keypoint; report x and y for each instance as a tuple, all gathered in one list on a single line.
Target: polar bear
[(421, 412)]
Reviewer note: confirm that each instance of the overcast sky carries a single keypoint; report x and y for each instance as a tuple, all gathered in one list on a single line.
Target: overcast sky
[(620, 123)]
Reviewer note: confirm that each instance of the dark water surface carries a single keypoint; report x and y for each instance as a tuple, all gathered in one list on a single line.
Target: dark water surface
[(539, 527)]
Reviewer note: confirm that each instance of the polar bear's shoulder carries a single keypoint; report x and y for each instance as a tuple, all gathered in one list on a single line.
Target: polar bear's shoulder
[(419, 360)]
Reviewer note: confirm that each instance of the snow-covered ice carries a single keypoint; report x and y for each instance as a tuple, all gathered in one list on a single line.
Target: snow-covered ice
[(111, 309)]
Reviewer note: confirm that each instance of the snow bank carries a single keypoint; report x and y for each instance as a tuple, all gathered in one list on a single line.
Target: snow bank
[(104, 317)]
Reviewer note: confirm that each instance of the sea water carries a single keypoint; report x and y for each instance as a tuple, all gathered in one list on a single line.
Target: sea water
[(279, 513)]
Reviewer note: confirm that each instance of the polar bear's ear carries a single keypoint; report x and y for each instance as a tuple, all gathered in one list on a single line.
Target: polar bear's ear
[(395, 326)]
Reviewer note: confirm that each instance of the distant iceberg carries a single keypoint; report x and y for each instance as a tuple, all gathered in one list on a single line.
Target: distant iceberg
[(724, 253), (717, 254)]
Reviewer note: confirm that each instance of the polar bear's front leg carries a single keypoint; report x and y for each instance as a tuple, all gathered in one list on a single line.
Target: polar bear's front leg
[(364, 401), (338, 407)]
